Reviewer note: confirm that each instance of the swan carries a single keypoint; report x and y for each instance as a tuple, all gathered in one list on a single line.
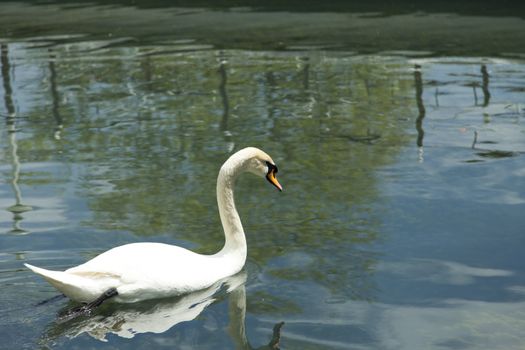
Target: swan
[(141, 271)]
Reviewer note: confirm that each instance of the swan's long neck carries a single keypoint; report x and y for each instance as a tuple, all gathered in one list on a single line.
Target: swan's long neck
[(235, 240)]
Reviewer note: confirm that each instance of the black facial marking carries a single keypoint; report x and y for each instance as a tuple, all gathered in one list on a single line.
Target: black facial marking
[(271, 168)]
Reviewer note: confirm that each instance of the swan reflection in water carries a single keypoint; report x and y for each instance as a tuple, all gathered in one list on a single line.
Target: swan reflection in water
[(158, 316)]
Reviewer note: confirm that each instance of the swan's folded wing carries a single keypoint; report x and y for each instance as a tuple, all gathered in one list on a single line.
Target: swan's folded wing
[(83, 287), (144, 263)]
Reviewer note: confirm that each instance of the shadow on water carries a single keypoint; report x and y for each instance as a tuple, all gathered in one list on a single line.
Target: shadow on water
[(55, 96), (480, 146), (420, 107), (18, 208), (159, 316), (224, 95), (485, 85)]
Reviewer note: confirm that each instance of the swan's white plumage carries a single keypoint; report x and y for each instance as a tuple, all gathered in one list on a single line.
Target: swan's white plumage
[(141, 271)]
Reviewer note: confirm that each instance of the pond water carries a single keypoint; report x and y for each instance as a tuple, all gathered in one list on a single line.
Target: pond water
[(401, 225)]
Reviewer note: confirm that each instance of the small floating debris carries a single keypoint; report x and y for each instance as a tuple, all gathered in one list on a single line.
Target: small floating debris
[(497, 154), (369, 138)]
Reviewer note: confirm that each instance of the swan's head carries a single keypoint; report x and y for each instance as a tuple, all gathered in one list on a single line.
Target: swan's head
[(259, 163)]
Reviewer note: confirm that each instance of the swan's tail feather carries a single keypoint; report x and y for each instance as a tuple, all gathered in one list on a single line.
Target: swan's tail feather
[(74, 287)]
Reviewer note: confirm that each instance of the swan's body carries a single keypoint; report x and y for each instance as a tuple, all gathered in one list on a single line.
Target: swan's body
[(140, 271)]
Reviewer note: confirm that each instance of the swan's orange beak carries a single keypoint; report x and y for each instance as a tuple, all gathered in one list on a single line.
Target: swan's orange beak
[(273, 180)]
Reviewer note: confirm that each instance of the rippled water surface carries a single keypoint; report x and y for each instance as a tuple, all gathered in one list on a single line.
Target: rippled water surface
[(401, 225)]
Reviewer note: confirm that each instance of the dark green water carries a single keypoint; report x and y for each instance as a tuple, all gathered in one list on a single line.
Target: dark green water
[(399, 136)]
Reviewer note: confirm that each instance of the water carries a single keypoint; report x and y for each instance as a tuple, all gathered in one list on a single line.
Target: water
[(401, 224)]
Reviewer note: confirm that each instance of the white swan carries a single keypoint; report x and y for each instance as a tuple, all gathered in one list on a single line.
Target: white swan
[(140, 271)]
